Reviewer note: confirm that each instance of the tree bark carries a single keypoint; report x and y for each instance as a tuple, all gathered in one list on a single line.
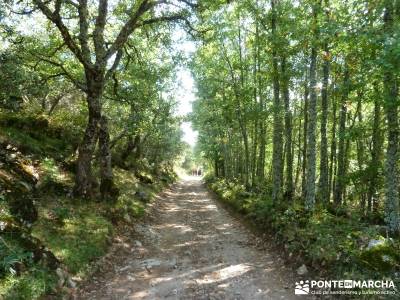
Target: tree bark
[(131, 145), (84, 180), (323, 185), (312, 122), (332, 163), (107, 188), (341, 167), (261, 155), (376, 155), (361, 158), (277, 166), (391, 105), (305, 146), (299, 150), (288, 132)]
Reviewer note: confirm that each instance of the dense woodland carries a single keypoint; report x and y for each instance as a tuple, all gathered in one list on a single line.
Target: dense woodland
[(300, 101), (296, 109)]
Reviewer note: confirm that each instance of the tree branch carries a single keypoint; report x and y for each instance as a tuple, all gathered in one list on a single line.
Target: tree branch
[(55, 18), (114, 66), (189, 3), (129, 27), (71, 2), (98, 33), (83, 29), (77, 83), (170, 18)]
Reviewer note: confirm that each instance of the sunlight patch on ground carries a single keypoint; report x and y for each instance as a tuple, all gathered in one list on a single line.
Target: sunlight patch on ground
[(226, 273), (211, 207), (224, 226), (139, 295), (180, 227)]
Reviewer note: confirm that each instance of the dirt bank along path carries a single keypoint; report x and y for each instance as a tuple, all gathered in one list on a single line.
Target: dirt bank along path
[(189, 247)]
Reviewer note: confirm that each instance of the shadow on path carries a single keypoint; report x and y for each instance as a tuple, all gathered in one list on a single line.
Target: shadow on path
[(191, 248)]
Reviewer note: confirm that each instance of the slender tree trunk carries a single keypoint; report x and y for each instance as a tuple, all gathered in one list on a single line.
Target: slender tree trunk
[(277, 169), (256, 109), (247, 156), (347, 151), (262, 130), (288, 132), (332, 165), (341, 167), (390, 86), (254, 155), (376, 156), (261, 155), (130, 146), (305, 146), (54, 104), (226, 159), (299, 150), (360, 157), (323, 185), (312, 123)]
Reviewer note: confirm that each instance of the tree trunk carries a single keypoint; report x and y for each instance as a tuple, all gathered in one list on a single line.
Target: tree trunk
[(341, 167), (255, 108), (242, 115), (254, 155), (288, 132), (246, 155), (312, 122), (107, 188), (375, 163), (332, 164), (84, 180), (392, 217), (216, 167), (299, 150), (131, 145), (261, 155), (360, 156), (323, 185), (304, 150), (277, 168)]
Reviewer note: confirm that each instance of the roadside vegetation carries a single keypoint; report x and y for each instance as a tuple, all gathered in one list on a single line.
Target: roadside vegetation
[(49, 238), (53, 226), (330, 243), (297, 113)]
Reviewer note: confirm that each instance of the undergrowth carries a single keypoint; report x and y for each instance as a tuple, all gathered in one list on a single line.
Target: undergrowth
[(76, 231), (335, 244)]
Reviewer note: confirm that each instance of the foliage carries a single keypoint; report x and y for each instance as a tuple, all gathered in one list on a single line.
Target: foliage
[(30, 285), (42, 147), (300, 100), (334, 245), (12, 256)]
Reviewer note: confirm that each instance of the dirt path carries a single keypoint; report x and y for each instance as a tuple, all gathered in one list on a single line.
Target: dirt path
[(190, 248)]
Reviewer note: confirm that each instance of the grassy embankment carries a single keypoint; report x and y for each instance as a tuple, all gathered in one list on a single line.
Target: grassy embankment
[(334, 244), (36, 160)]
